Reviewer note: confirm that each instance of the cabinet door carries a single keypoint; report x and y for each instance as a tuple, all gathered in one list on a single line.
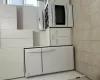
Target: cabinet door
[(53, 38), (57, 59), (30, 18), (33, 62), (61, 36)]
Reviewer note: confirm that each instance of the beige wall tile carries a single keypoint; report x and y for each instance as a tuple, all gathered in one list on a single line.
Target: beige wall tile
[(87, 46), (96, 33), (85, 2), (77, 65), (87, 34), (95, 20), (89, 58), (81, 45), (80, 66), (96, 73), (89, 71), (94, 7), (86, 22), (86, 37), (80, 56), (96, 47), (85, 9), (97, 60), (81, 35)]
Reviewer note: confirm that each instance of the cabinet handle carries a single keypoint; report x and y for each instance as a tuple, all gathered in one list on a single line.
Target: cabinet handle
[(47, 51)]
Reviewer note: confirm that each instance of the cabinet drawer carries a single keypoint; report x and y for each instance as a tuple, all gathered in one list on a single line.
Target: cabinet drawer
[(61, 41), (35, 50), (64, 41), (61, 31), (64, 32)]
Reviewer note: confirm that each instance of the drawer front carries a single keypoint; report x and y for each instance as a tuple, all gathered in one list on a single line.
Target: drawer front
[(35, 50), (61, 32), (56, 59), (33, 62)]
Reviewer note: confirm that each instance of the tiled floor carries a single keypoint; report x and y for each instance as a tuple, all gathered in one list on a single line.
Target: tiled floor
[(59, 76)]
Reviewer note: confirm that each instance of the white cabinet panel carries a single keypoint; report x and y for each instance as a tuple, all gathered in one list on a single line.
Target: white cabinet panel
[(30, 18), (33, 62), (61, 32), (57, 59), (53, 42), (45, 38), (16, 34), (9, 43), (8, 11), (64, 41), (61, 36), (61, 41), (11, 63), (8, 23)]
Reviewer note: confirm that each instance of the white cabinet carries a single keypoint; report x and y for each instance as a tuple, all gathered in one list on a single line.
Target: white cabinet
[(33, 62), (45, 60), (56, 37), (57, 59), (11, 63), (60, 36)]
